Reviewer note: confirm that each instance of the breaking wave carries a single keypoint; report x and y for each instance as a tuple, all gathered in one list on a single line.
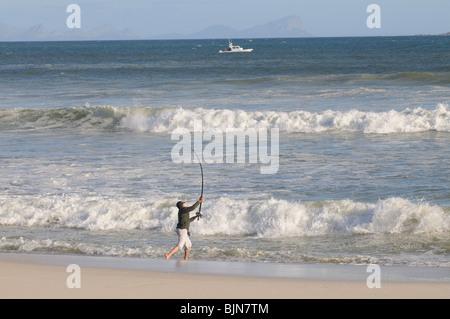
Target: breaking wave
[(272, 218), (85, 117), (166, 120), (407, 121)]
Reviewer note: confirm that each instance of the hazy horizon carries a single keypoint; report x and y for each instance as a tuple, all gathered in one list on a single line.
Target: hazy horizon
[(151, 18)]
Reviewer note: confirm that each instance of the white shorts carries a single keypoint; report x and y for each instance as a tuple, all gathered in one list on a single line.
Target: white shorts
[(183, 239)]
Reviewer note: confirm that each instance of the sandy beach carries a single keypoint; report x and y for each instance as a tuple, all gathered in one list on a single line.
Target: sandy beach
[(48, 276)]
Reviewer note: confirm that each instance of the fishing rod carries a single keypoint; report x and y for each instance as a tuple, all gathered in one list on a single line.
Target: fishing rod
[(201, 169)]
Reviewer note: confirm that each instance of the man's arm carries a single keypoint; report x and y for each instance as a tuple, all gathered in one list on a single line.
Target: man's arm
[(191, 208), (193, 218)]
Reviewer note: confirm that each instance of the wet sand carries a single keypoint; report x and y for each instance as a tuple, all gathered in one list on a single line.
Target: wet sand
[(49, 276)]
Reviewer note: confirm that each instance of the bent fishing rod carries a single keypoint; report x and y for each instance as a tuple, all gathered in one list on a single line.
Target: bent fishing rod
[(201, 169)]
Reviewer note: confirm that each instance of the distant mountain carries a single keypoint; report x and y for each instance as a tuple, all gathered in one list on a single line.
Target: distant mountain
[(288, 27), (108, 32), (41, 33), (216, 31), (37, 33)]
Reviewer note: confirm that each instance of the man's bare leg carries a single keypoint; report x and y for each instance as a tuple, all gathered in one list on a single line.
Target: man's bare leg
[(186, 254), (173, 251)]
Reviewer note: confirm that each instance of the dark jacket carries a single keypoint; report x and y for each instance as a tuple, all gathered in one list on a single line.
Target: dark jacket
[(183, 216)]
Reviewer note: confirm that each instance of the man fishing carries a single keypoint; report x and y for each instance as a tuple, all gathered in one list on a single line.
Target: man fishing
[(182, 230)]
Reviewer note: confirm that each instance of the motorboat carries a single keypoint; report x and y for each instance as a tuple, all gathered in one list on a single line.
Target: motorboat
[(234, 48)]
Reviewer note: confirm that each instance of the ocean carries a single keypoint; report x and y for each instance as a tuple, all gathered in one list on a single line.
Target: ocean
[(87, 136)]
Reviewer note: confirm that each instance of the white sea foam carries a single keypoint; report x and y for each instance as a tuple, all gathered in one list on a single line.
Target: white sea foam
[(271, 218), (279, 218), (406, 121), (166, 120), (92, 213)]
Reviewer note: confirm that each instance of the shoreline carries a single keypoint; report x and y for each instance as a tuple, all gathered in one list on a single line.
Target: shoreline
[(48, 276)]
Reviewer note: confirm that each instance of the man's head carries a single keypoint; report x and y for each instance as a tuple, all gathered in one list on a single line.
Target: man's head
[(180, 204)]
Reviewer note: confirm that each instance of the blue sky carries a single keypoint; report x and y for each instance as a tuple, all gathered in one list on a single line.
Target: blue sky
[(154, 17)]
